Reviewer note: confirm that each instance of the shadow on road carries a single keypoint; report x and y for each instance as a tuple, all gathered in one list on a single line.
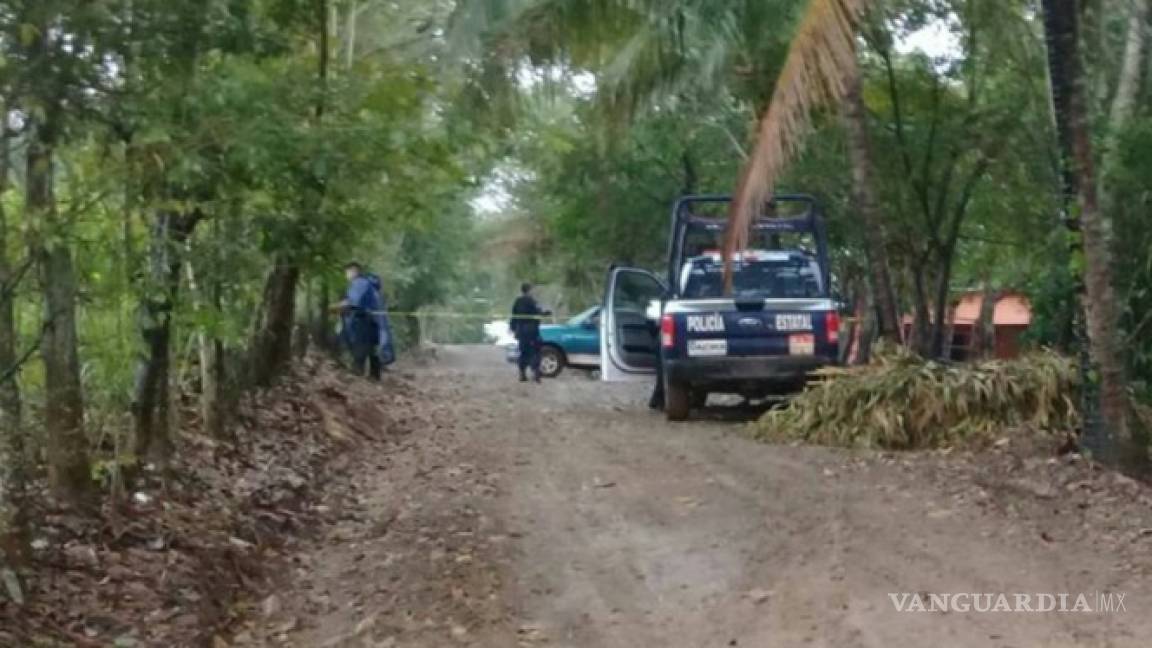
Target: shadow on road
[(736, 410)]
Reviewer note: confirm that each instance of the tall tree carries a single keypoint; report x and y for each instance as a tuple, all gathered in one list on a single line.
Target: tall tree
[(1101, 306), (864, 193), (272, 340), (51, 59), (1128, 84), (12, 455), (171, 73)]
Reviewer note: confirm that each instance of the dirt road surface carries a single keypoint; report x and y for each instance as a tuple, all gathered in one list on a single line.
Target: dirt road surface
[(566, 514)]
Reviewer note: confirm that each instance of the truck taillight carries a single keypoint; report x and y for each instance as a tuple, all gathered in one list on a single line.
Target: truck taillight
[(833, 325), (668, 331)]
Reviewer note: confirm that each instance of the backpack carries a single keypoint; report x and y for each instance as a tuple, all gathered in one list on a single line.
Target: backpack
[(386, 349)]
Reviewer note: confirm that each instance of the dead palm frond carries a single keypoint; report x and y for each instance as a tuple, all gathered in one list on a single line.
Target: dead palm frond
[(820, 59)]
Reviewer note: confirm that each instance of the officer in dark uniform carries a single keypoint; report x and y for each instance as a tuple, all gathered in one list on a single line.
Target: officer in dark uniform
[(525, 325)]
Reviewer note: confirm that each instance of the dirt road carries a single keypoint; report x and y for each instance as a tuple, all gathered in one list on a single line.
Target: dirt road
[(568, 515)]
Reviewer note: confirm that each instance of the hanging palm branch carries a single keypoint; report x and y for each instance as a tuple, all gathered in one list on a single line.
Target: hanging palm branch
[(820, 58)]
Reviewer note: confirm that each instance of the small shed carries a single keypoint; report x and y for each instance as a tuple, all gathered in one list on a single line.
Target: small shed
[(1011, 316)]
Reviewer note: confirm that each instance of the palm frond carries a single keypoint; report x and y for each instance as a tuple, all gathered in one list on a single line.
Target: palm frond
[(820, 58)]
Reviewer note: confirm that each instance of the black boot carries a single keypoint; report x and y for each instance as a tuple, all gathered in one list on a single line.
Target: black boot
[(656, 402)]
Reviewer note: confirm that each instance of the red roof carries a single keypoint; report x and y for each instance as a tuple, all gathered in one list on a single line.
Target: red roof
[(1012, 309)]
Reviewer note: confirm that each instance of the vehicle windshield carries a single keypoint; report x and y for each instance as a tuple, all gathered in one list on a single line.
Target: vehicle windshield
[(797, 276), (587, 315)]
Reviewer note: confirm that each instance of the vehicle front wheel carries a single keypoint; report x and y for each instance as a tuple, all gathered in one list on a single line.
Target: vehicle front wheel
[(677, 401), (551, 362)]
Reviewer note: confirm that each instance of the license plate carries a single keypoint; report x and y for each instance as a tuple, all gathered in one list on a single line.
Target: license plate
[(704, 348), (794, 322), (801, 345)]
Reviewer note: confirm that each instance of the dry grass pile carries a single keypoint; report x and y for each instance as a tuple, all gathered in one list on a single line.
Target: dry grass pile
[(902, 402)]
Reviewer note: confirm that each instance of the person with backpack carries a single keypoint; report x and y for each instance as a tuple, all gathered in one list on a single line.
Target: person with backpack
[(364, 323)]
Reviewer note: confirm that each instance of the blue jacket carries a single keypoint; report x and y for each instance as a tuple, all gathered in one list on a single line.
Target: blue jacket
[(365, 317), (359, 317)]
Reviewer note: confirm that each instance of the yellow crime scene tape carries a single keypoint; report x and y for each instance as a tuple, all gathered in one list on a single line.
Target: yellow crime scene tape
[(501, 316), (458, 315)]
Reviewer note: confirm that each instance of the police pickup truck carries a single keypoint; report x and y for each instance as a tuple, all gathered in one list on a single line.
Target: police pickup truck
[(778, 324)]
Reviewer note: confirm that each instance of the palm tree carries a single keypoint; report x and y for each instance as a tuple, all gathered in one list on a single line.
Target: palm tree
[(819, 70), (820, 62), (653, 48)]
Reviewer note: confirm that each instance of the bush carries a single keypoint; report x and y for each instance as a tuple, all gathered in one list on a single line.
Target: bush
[(902, 402)]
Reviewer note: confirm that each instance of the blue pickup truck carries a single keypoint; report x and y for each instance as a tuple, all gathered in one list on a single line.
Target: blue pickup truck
[(575, 343), (761, 338)]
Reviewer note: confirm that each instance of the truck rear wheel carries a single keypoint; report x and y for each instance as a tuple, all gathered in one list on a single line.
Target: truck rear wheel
[(677, 401), (699, 398)]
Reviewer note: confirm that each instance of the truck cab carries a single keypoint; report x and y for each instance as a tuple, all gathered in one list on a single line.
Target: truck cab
[(776, 325)]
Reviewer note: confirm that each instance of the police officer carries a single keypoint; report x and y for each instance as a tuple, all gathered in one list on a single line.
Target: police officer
[(525, 325), (360, 329)]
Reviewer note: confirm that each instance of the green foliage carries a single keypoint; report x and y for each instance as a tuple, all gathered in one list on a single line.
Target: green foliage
[(1133, 239), (213, 115), (904, 402)]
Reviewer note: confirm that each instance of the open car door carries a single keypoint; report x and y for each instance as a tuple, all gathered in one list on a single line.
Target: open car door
[(629, 339)]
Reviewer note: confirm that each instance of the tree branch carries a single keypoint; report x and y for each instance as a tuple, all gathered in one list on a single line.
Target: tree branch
[(10, 372), (8, 288), (902, 140)]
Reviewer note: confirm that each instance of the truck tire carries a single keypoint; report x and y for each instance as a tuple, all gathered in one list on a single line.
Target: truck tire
[(677, 401), (551, 361), (699, 398)]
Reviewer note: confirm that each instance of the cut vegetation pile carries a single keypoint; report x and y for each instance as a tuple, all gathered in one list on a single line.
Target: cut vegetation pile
[(903, 402)]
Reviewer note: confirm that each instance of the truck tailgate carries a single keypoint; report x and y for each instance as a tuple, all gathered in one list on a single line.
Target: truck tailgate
[(767, 327)]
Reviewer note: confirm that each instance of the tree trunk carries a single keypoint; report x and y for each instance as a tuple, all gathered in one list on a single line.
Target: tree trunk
[(861, 305), (863, 183), (921, 341), (63, 394), (10, 404), (1117, 442), (12, 458), (941, 307), (1131, 70), (1127, 91), (211, 381), (210, 350), (272, 339), (350, 35), (983, 342), (151, 403), (322, 330)]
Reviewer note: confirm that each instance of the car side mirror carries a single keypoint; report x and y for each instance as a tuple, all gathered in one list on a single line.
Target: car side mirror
[(592, 323)]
